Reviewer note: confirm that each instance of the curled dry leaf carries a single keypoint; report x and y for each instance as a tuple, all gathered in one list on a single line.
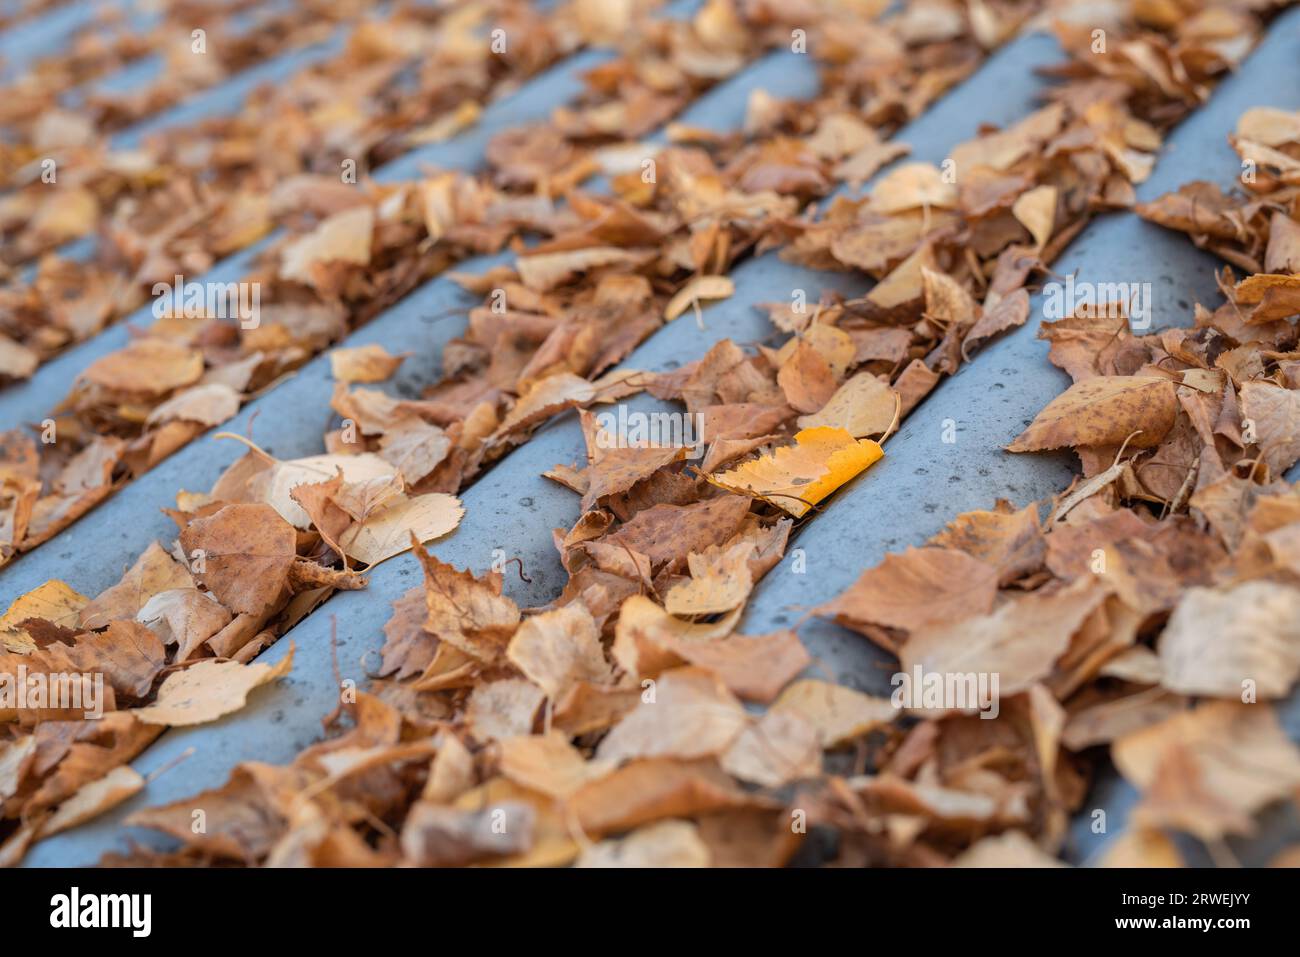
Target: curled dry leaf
[(209, 689), (344, 237), (185, 617), (862, 406), (797, 477), (1104, 411), (242, 554), (274, 484), (368, 363), (154, 571), (94, 799), (917, 588), (698, 289), (1227, 642), (465, 611), (558, 649)]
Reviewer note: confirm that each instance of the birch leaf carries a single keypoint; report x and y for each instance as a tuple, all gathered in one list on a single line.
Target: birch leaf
[(797, 477), (209, 689), (388, 532)]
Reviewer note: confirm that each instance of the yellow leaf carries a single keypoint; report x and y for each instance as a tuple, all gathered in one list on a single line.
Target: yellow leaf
[(342, 238), (387, 532), (1036, 210), (54, 601), (797, 477), (862, 406), (209, 689), (94, 798), (368, 363), (701, 287), (912, 185)]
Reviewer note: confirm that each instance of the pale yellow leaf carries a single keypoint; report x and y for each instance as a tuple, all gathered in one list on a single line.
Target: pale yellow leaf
[(209, 689)]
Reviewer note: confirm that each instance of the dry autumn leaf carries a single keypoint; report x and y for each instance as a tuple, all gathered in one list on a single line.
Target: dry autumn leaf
[(209, 689), (919, 587), (390, 530), (465, 611), (242, 554), (1104, 411), (1019, 642), (1228, 642), (1206, 770), (691, 715), (862, 406), (369, 363), (838, 714), (796, 477), (698, 289), (586, 709), (53, 601), (558, 649)]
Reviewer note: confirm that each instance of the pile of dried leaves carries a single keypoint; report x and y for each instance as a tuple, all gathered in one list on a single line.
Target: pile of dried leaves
[(728, 188), (39, 123), (1157, 608), (608, 727), (714, 200), (627, 722), (1253, 229), (174, 638), (192, 193)]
